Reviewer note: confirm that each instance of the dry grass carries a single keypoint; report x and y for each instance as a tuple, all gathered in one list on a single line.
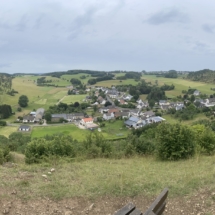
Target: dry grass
[(100, 177)]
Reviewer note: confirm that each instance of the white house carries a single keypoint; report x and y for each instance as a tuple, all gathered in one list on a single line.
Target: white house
[(196, 93), (209, 102), (86, 121), (29, 119), (163, 102), (24, 128), (108, 116)]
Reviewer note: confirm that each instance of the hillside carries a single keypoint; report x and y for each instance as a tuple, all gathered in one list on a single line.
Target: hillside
[(102, 186), (205, 75)]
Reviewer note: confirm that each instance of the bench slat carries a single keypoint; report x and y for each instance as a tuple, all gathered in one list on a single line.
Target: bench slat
[(158, 205), (136, 212), (126, 210), (161, 209)]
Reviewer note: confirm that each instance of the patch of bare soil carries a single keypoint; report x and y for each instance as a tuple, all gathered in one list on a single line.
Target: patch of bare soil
[(203, 202)]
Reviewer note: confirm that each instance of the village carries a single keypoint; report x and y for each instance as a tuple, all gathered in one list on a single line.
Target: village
[(110, 104)]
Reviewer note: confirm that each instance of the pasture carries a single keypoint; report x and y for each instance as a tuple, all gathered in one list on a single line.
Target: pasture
[(68, 129), (109, 83), (180, 84), (73, 98), (7, 130), (112, 130)]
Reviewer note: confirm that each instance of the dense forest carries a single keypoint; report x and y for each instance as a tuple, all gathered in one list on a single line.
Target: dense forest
[(205, 75)]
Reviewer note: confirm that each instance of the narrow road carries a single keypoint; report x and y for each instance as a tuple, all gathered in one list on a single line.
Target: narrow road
[(60, 100)]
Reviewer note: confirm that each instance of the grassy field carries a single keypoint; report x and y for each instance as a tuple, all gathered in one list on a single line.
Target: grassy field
[(70, 129), (180, 84), (74, 98), (7, 130), (109, 83), (173, 120), (112, 130), (107, 177)]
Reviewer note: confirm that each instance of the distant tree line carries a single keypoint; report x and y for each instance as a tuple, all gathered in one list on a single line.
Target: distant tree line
[(105, 77)]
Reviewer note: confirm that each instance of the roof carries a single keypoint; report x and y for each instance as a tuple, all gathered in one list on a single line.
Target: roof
[(149, 113), (29, 117), (40, 110), (113, 110), (134, 111), (129, 122), (134, 119), (124, 113), (157, 119), (62, 115), (117, 114), (24, 126), (211, 99), (88, 119)]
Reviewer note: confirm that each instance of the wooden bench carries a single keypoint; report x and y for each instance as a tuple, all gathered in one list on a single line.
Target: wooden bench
[(156, 208)]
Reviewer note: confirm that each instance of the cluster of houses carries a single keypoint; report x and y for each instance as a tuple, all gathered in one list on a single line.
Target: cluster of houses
[(34, 116), (112, 93), (210, 102)]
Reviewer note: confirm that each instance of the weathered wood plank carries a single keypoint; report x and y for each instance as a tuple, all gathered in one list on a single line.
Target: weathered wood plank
[(136, 212), (158, 205), (126, 210)]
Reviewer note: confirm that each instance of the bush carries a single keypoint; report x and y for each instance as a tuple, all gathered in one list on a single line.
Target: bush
[(205, 139), (3, 123), (57, 145), (175, 142)]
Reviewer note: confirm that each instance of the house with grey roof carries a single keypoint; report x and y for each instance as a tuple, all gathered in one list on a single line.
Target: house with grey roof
[(29, 119), (196, 93), (149, 114), (24, 128), (133, 122)]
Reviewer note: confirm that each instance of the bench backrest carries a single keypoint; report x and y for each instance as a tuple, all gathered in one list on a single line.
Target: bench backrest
[(156, 208)]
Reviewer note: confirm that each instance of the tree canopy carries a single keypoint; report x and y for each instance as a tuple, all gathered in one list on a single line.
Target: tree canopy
[(23, 101)]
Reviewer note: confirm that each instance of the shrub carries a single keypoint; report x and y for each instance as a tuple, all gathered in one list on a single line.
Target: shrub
[(175, 142), (3, 123), (57, 145)]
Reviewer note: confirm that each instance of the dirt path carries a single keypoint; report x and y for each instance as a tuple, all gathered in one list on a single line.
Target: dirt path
[(200, 203), (60, 100)]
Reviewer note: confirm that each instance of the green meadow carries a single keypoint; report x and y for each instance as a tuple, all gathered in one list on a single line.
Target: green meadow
[(112, 130), (180, 84), (70, 129), (7, 130), (109, 83), (73, 98)]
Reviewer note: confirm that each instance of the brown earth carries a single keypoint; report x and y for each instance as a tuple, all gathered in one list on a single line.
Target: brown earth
[(203, 202)]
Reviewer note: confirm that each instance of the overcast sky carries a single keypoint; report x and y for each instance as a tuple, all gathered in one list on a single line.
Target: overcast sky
[(56, 35)]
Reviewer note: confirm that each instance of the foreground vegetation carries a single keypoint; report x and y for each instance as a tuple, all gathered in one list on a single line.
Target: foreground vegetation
[(115, 177)]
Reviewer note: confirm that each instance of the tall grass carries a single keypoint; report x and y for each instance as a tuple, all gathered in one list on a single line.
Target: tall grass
[(143, 176)]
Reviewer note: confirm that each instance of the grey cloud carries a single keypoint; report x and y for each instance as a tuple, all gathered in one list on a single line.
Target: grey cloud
[(38, 21), (208, 28), (167, 16), (22, 24), (81, 21)]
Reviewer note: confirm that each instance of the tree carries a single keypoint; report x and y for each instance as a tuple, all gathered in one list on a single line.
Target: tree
[(192, 98), (23, 101), (116, 102), (48, 116), (175, 141), (151, 103), (107, 103)]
